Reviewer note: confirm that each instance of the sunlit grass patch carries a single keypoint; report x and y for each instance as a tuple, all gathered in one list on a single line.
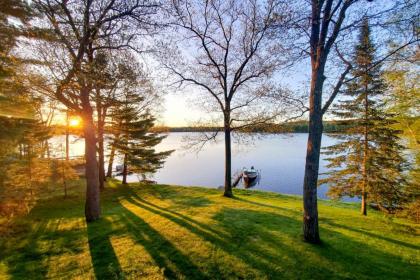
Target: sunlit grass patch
[(167, 232)]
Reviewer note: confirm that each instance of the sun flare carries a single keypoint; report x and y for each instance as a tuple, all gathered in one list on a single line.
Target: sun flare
[(74, 122)]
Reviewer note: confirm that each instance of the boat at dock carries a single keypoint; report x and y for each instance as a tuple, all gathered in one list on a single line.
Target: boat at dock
[(250, 177)]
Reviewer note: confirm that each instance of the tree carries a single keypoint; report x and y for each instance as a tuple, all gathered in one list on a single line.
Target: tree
[(134, 140), (107, 78), (226, 51), (22, 166), (9, 32), (80, 29), (332, 24), (14, 18), (123, 75), (404, 101), (368, 160), (27, 171)]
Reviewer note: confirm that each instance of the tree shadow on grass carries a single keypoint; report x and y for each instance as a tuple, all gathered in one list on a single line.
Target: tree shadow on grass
[(267, 240), (104, 260), (271, 244), (27, 259), (31, 255), (268, 205), (38, 238), (186, 202), (33, 261), (373, 235), (172, 215), (337, 257), (233, 243), (193, 198), (174, 263)]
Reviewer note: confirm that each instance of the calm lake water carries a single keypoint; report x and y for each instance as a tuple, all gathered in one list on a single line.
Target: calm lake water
[(279, 157)]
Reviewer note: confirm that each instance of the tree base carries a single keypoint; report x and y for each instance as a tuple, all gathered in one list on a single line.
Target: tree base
[(227, 194), (310, 230), (92, 219), (312, 240)]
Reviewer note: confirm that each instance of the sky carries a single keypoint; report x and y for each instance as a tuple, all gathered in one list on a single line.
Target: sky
[(178, 111)]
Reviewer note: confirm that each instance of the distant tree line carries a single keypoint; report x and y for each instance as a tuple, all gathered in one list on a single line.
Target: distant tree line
[(337, 126)]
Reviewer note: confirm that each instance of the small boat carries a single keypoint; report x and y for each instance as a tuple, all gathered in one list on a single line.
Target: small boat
[(250, 177), (250, 173), (119, 168)]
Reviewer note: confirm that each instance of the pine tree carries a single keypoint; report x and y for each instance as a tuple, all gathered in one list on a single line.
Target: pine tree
[(404, 84), (9, 31), (23, 169), (14, 16), (134, 141), (367, 162), (26, 171)]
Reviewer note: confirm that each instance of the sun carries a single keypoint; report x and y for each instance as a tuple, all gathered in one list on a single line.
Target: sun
[(74, 122)]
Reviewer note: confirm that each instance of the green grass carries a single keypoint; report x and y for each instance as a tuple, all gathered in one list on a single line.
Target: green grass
[(157, 232)]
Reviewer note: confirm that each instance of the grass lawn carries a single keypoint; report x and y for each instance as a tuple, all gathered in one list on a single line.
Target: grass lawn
[(158, 232)]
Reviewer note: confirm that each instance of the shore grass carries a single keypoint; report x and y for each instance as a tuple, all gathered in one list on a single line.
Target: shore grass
[(168, 232)]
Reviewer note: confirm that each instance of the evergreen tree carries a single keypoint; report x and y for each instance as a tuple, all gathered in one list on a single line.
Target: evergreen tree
[(367, 162), (24, 171), (133, 140), (404, 101), (9, 31), (14, 16)]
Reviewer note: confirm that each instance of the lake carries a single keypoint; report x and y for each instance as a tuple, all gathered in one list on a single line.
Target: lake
[(279, 157)]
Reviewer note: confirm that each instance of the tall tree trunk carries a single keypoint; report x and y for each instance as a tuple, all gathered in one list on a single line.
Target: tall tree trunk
[(47, 146), (30, 169), (92, 205), (228, 157), (63, 175), (101, 160), (101, 165), (363, 209), (112, 155), (111, 162), (310, 203), (67, 137), (125, 170)]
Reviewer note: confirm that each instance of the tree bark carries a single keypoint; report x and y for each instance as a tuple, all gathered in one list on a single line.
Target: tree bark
[(67, 137), (125, 170), (30, 169), (92, 205), (112, 155), (47, 149), (363, 209), (111, 162), (64, 179), (101, 165), (228, 157), (310, 203)]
